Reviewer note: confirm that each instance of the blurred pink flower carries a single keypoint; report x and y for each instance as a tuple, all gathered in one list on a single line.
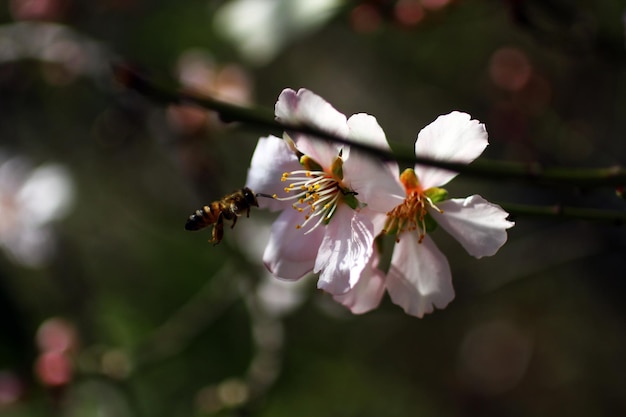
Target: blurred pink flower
[(57, 340), (200, 74), (419, 277), (57, 335), (54, 368), (333, 199)]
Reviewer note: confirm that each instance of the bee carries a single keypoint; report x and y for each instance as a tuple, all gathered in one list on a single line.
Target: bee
[(230, 207)]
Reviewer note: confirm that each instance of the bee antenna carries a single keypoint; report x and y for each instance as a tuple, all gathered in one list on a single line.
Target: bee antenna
[(264, 195)]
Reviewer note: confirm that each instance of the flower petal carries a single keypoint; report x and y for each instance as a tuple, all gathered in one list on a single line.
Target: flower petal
[(365, 129), (480, 226), (272, 157), (345, 250), (290, 254), (306, 107), (419, 278), (368, 291), (375, 181), (452, 137), (372, 181)]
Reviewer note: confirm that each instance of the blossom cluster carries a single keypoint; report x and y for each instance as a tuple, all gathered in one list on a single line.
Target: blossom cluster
[(334, 201)]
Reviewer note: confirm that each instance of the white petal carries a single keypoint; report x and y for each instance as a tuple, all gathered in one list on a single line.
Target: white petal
[(378, 220), (480, 226), (368, 291), (306, 107), (345, 250), (290, 254), (375, 181), (272, 157), (371, 179), (419, 278), (366, 130), (452, 137)]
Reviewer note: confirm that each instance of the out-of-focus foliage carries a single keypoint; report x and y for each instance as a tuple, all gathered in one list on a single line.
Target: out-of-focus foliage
[(130, 315)]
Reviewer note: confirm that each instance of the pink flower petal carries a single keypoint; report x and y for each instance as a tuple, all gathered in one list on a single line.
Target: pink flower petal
[(272, 157), (368, 291), (419, 278), (452, 137), (477, 224), (306, 107), (290, 254), (375, 181), (345, 250)]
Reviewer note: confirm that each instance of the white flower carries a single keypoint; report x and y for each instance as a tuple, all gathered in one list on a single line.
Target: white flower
[(261, 28), (331, 197), (29, 202), (419, 277)]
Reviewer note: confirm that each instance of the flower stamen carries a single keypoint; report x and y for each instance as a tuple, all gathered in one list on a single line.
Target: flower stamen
[(316, 194)]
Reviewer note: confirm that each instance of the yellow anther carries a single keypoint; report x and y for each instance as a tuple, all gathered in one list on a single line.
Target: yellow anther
[(287, 189), (298, 226), (274, 195)]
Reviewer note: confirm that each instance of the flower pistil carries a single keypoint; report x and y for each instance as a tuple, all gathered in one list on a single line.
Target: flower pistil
[(412, 214)]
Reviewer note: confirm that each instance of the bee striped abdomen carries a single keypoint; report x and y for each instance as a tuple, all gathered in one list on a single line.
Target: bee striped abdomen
[(204, 217)]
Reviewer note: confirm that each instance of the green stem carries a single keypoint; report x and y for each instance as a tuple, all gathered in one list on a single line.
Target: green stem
[(533, 172), (565, 212)]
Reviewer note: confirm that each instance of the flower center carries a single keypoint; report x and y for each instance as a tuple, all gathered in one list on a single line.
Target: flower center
[(316, 193), (412, 214)]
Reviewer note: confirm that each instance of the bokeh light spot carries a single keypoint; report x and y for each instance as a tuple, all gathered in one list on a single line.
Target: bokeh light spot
[(510, 68)]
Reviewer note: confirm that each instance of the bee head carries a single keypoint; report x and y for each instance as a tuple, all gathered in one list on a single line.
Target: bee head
[(250, 197)]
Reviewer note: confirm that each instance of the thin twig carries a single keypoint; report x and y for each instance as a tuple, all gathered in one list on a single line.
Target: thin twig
[(532, 172), (566, 212)]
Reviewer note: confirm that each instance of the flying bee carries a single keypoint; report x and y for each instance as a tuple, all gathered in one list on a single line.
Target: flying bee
[(230, 207)]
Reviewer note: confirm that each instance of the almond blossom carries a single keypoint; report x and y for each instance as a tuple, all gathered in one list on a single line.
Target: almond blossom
[(419, 277), (333, 199)]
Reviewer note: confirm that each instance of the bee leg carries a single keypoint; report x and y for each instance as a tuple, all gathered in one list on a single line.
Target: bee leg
[(248, 212), (218, 231), (234, 222)]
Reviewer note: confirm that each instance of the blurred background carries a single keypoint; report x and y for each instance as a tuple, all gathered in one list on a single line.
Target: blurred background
[(108, 307)]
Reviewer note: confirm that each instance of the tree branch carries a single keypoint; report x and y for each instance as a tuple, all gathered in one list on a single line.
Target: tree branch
[(615, 217), (534, 173)]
